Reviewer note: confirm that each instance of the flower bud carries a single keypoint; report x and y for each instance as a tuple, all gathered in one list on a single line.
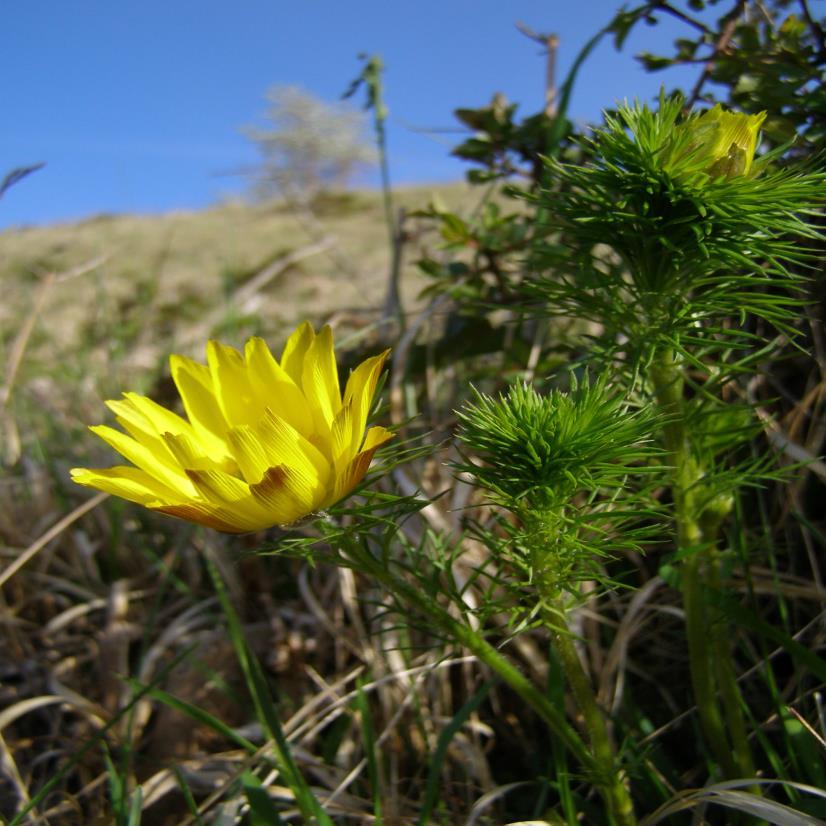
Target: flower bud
[(717, 142)]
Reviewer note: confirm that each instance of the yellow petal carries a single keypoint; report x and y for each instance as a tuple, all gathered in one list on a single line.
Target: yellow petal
[(265, 443), (283, 444), (233, 390), (358, 466), (344, 442), (319, 381), (160, 466), (161, 419), (274, 388), (137, 425), (249, 453), (131, 419), (736, 143), (194, 383), (292, 358), (190, 455), (718, 142), (359, 392), (129, 483)]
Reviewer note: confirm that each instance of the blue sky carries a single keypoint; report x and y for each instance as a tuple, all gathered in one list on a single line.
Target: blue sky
[(137, 107)]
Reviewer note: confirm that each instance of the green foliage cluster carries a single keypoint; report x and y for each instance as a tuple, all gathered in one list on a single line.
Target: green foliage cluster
[(766, 57), (692, 265), (568, 465), (538, 451), (691, 247)]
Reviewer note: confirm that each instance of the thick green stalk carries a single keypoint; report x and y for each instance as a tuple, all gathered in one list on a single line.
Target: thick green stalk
[(727, 680), (702, 666), (667, 379), (609, 776)]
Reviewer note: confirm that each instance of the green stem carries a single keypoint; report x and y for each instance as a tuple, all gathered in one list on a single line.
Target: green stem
[(394, 230), (609, 775), (727, 680), (667, 379), (702, 666)]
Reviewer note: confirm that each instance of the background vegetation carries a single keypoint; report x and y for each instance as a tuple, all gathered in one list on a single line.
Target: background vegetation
[(123, 697)]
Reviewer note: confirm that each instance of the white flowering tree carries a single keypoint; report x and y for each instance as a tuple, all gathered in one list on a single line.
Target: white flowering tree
[(308, 146)]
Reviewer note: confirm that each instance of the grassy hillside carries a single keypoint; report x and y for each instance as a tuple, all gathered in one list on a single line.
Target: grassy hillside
[(172, 280)]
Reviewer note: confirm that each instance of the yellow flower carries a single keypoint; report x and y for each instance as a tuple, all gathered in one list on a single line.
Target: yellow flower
[(264, 442), (721, 143)]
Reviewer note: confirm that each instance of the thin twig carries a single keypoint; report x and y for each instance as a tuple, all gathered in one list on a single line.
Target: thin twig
[(681, 15), (729, 25), (21, 341), (50, 534), (247, 291), (815, 28)]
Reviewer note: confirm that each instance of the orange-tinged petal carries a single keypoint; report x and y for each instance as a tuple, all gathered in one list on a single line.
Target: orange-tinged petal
[(220, 488), (285, 495), (226, 494), (358, 466), (215, 518)]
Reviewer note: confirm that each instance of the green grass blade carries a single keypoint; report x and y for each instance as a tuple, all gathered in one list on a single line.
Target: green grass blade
[(791, 646), (431, 795), (135, 808), (189, 800), (199, 715), (116, 790), (262, 809), (265, 708), (368, 735)]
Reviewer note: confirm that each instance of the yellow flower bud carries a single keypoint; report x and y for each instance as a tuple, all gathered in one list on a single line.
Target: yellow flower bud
[(720, 143)]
